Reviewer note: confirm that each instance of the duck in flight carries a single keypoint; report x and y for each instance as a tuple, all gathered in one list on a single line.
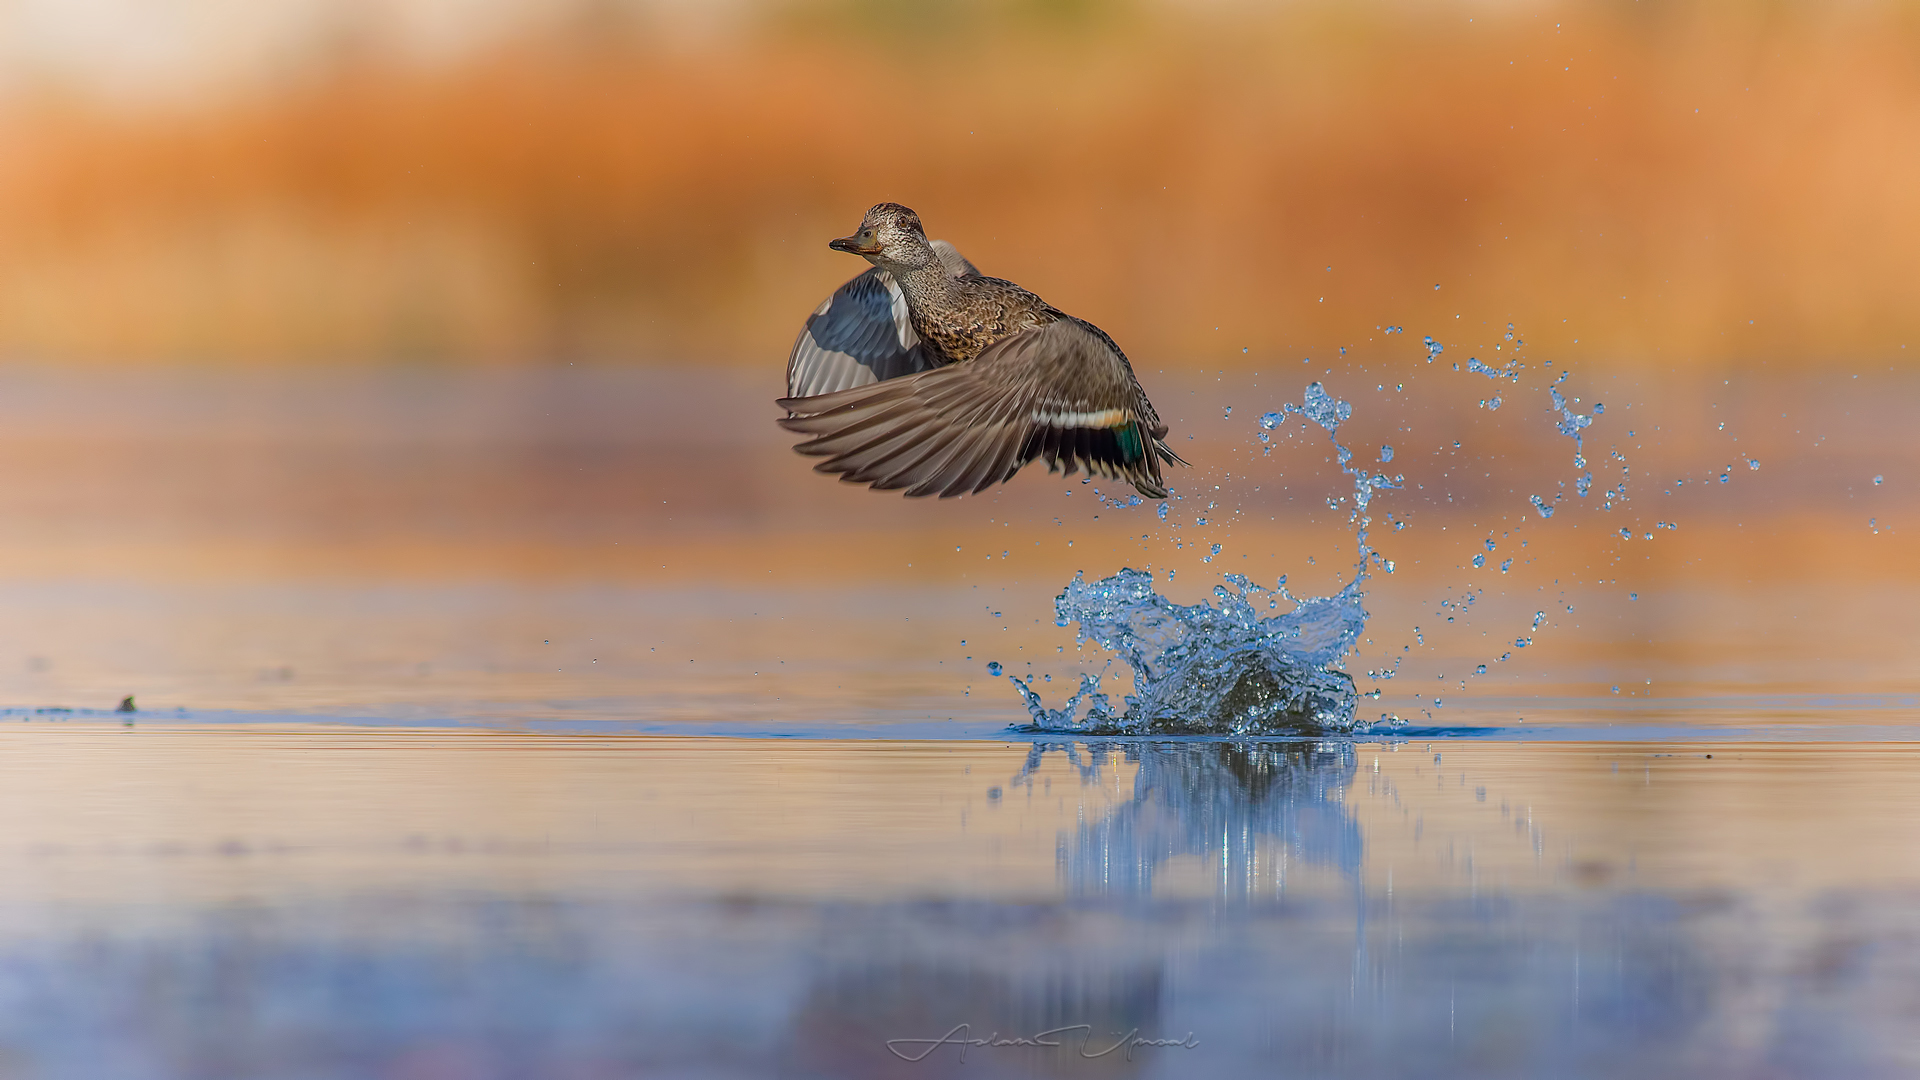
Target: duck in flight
[(924, 374)]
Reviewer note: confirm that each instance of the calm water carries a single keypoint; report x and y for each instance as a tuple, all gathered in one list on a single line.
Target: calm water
[(339, 902), (562, 724)]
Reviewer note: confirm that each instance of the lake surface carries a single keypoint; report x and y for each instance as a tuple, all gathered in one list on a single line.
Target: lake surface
[(560, 723)]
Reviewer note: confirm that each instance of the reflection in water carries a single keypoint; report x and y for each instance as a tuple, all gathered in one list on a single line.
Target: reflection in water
[(1248, 810), (1500, 982), (446, 906)]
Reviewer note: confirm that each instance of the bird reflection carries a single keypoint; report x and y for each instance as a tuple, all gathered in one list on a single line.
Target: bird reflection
[(1251, 811)]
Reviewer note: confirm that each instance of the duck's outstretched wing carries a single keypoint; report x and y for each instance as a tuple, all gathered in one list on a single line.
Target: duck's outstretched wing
[(861, 334), (1060, 392)]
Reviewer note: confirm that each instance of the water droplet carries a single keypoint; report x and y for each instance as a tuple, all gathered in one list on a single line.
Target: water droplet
[(1878, 480), (993, 667), (1479, 561)]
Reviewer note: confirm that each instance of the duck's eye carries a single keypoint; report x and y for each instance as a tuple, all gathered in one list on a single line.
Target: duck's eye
[(866, 236)]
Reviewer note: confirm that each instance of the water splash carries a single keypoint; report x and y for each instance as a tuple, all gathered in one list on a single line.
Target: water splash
[(1226, 667)]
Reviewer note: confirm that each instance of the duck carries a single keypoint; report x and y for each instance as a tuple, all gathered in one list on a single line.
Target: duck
[(926, 375)]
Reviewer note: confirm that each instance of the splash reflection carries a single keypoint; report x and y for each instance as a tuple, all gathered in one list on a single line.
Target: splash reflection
[(1249, 811)]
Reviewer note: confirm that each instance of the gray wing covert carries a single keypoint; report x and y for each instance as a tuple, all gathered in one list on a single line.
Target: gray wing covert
[(950, 257), (861, 334)]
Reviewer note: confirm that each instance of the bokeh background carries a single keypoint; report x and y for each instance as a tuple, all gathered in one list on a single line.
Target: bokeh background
[(356, 353), (524, 181)]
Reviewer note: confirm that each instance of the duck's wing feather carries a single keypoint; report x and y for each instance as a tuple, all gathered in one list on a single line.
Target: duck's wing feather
[(1060, 392), (956, 263), (861, 334)]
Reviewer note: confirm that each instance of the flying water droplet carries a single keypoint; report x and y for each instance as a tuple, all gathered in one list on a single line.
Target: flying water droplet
[(1224, 667), (993, 668)]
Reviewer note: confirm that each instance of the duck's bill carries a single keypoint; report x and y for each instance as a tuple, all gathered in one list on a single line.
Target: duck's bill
[(852, 245)]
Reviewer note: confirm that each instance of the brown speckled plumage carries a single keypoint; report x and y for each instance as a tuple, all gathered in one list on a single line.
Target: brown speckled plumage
[(942, 381)]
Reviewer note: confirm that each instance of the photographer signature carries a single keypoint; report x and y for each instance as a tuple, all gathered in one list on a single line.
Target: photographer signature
[(960, 1037)]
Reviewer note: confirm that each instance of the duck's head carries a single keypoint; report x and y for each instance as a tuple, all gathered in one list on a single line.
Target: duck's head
[(890, 237)]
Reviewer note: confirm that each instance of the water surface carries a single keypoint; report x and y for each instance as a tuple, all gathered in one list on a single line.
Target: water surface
[(542, 724)]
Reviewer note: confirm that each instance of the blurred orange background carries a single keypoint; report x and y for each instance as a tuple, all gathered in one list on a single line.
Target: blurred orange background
[(308, 301), (521, 181)]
